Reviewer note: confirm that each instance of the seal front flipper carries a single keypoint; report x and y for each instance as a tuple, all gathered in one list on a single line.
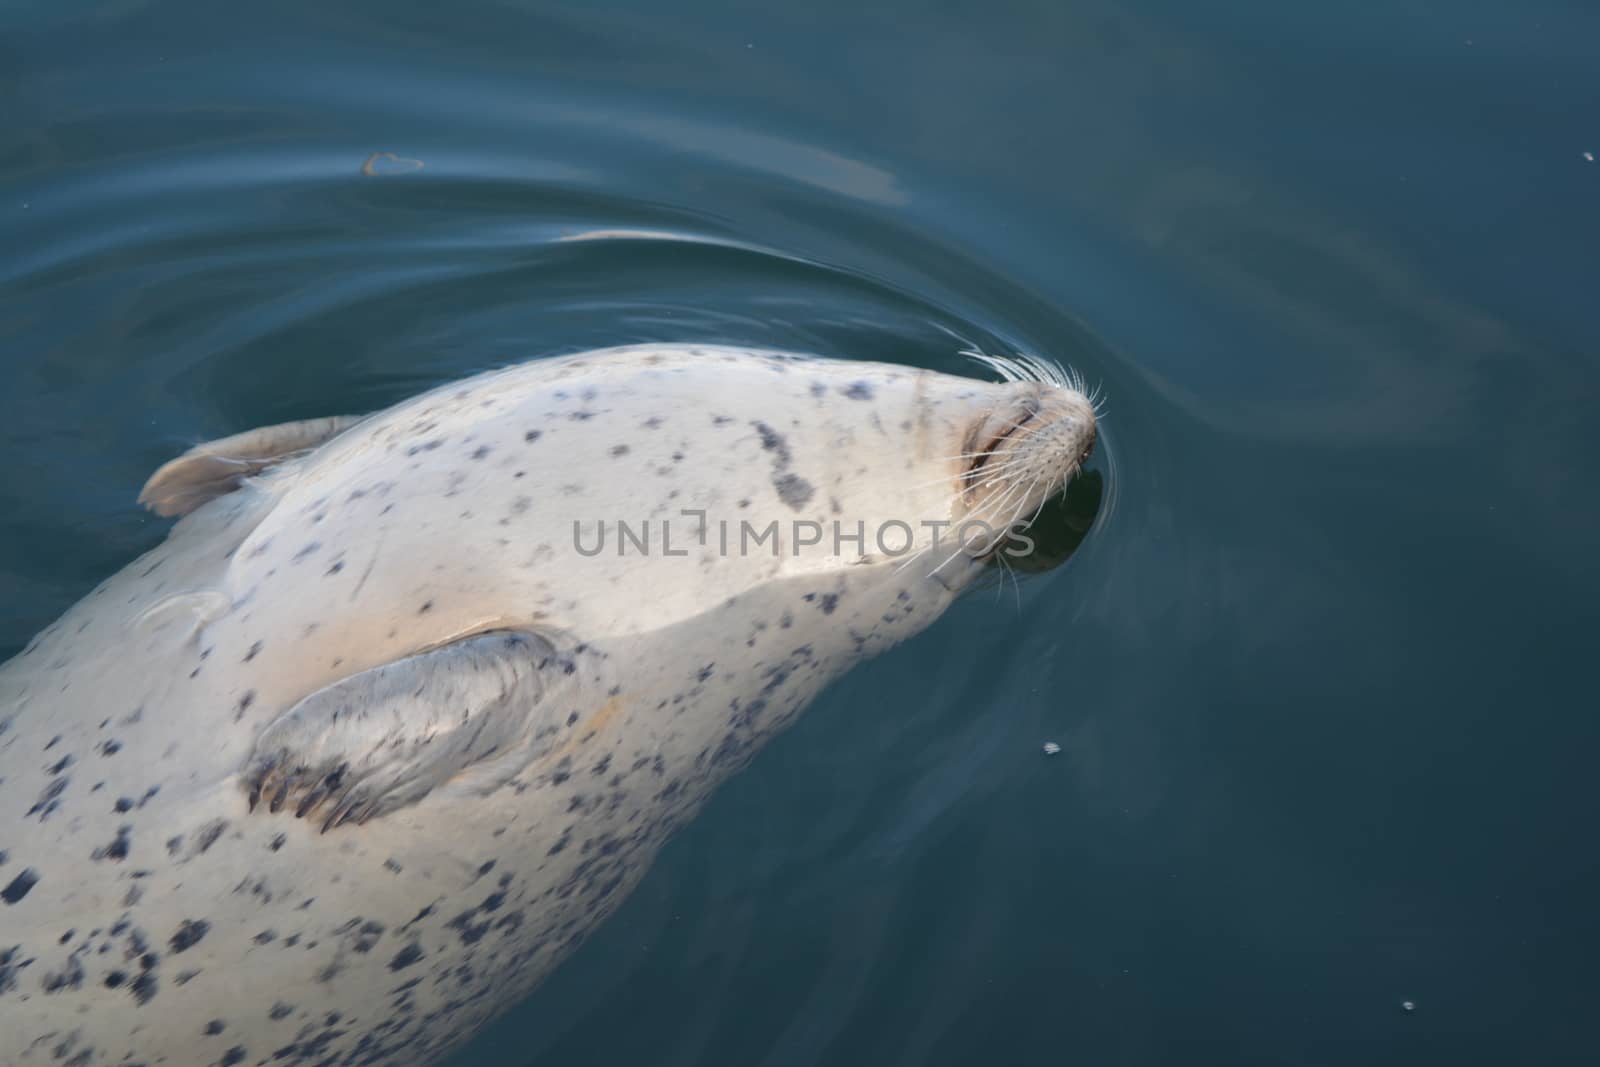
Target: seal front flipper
[(218, 467), (386, 737)]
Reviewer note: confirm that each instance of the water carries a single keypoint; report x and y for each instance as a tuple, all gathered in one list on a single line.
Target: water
[(1320, 671)]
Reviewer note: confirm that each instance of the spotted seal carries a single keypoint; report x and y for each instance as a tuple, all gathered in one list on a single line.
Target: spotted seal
[(404, 704)]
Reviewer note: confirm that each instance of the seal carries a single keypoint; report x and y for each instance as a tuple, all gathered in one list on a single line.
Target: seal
[(405, 704)]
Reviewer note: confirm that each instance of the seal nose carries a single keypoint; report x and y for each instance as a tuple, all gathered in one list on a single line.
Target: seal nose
[(1082, 414), (1077, 406), (1075, 413)]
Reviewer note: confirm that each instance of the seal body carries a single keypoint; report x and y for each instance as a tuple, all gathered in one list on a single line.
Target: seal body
[(405, 704)]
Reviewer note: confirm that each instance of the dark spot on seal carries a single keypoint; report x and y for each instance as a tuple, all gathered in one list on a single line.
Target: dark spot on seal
[(773, 441), (118, 849), (110, 747), (532, 436), (618, 451), (306, 550), (9, 968), (18, 887), (338, 566), (406, 957), (123, 804), (234, 1055), (189, 934), (858, 391), (71, 976), (115, 979), (793, 490), (279, 1010), (213, 1028), (253, 651), (427, 606), (209, 834)]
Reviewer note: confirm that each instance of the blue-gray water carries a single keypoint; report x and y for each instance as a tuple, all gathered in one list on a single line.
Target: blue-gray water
[(1322, 672)]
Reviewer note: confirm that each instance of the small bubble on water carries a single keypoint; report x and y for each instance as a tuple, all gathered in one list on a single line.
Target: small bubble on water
[(1408, 1005), (1051, 748)]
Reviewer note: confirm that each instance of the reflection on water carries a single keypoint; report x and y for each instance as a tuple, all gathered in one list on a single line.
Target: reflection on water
[(1316, 659)]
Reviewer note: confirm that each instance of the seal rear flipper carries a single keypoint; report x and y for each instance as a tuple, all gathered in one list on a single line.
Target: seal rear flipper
[(219, 467), (386, 737)]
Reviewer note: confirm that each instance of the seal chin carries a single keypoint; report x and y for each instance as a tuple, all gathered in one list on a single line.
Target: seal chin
[(1023, 452)]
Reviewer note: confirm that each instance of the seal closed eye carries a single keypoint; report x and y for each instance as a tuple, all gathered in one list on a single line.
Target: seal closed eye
[(1027, 409)]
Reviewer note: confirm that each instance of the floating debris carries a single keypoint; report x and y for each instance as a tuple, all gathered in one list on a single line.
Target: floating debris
[(1051, 748), (402, 165), (1408, 1005)]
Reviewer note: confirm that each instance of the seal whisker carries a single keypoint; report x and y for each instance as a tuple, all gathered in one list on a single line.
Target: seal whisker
[(1004, 474), (1019, 366), (968, 455), (1017, 490), (994, 507), (1008, 571), (1007, 434), (1029, 491), (986, 474)]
